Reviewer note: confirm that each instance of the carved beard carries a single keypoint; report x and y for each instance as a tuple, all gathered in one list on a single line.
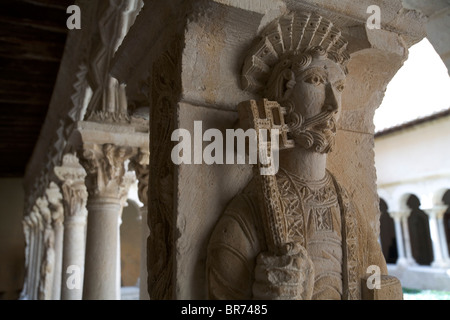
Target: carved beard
[(317, 133)]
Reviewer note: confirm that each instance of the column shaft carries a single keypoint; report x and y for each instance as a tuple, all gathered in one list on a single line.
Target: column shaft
[(101, 249), (443, 239), (73, 257), (399, 237), (438, 260), (408, 250), (59, 238)]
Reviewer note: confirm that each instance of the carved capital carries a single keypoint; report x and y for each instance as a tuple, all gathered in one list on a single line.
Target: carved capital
[(140, 164), (72, 175), (54, 198), (42, 205), (437, 212), (37, 218), (105, 167), (128, 179)]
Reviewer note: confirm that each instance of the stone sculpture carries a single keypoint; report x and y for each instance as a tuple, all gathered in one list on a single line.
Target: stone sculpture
[(296, 234)]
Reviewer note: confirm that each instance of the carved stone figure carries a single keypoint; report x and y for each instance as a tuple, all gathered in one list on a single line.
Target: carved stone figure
[(296, 234), (48, 259)]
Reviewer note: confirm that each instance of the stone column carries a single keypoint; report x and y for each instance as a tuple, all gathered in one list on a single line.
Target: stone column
[(33, 253), (397, 216), (54, 197), (105, 167), (38, 254), (72, 176), (436, 213), (443, 239), (27, 230), (192, 55), (408, 250), (140, 166)]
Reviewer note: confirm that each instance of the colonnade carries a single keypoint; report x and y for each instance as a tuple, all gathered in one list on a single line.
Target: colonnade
[(72, 232), (435, 209), (93, 144)]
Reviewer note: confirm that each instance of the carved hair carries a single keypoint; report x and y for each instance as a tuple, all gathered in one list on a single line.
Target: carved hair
[(287, 45)]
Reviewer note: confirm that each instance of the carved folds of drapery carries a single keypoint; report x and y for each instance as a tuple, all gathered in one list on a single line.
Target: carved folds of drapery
[(55, 204), (105, 168), (48, 256), (72, 175), (109, 102), (165, 89), (128, 179)]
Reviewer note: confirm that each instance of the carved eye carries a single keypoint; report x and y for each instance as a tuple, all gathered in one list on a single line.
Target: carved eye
[(315, 79), (340, 87)]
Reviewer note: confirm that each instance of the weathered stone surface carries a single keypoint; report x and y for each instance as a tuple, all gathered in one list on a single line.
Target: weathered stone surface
[(213, 38), (202, 194)]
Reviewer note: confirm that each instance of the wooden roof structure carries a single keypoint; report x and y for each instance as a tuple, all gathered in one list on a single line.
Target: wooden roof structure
[(32, 39)]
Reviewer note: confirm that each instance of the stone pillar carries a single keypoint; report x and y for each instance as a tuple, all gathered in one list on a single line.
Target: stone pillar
[(398, 217), (27, 230), (54, 197), (408, 250), (33, 253), (436, 213), (105, 167), (39, 252), (192, 55), (443, 239), (140, 165), (72, 176)]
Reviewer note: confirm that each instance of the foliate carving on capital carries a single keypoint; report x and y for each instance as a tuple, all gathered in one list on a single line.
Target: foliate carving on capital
[(56, 207), (140, 165), (46, 216), (105, 167), (35, 218), (128, 179), (72, 176)]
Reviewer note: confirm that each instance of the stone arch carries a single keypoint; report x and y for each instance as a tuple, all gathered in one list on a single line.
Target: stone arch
[(436, 13), (387, 234), (130, 244), (419, 230)]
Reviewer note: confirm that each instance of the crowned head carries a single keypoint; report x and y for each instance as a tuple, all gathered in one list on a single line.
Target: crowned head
[(300, 62)]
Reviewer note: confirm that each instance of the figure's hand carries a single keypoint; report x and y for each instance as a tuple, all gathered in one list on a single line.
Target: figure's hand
[(284, 277)]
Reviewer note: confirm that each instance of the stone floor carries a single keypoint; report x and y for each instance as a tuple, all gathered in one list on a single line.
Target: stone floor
[(413, 294), (132, 293), (129, 293), (423, 278)]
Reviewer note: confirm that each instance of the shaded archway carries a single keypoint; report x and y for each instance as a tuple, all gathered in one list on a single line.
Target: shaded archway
[(387, 234), (419, 230)]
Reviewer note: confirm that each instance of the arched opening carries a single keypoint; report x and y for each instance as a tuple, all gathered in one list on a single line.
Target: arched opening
[(387, 234), (419, 230), (130, 245), (446, 200), (404, 100)]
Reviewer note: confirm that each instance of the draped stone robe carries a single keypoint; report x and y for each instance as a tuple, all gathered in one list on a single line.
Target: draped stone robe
[(319, 215)]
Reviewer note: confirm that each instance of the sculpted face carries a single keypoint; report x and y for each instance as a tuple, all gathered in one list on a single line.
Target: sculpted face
[(317, 88), (314, 96)]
